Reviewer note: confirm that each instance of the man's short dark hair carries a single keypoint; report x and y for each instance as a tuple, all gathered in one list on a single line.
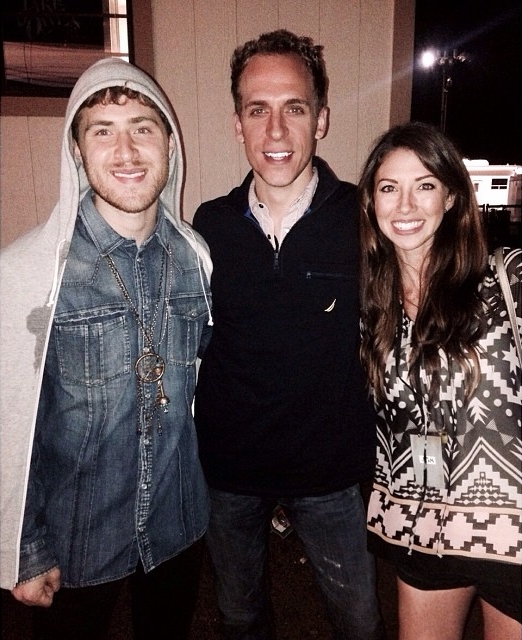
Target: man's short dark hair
[(114, 95), (281, 42)]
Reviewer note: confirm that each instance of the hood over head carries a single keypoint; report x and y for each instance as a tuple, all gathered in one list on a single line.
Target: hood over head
[(105, 73), (114, 72)]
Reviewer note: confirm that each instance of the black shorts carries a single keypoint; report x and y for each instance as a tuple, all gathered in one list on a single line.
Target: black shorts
[(497, 583)]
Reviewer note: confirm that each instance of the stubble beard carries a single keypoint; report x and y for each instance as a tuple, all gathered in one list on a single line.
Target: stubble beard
[(134, 200)]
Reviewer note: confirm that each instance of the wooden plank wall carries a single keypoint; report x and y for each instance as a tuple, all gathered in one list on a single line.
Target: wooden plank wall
[(368, 48)]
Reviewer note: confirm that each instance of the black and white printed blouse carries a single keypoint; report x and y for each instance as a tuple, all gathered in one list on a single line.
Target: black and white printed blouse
[(475, 510)]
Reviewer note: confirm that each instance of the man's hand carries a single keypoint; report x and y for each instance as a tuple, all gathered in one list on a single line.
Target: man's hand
[(40, 591)]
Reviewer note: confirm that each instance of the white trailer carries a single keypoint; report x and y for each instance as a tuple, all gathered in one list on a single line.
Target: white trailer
[(497, 185)]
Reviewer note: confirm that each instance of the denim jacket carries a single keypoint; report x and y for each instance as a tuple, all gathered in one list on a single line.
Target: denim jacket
[(104, 490)]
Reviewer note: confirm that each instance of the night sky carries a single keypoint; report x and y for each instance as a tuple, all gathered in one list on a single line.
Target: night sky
[(484, 111)]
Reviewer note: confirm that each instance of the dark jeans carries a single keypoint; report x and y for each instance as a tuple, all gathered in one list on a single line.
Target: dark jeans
[(162, 604), (333, 531)]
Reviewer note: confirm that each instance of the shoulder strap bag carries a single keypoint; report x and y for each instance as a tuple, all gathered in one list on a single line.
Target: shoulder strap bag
[(506, 292)]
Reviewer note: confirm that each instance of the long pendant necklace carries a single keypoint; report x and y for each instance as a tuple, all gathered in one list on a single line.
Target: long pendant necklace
[(149, 366)]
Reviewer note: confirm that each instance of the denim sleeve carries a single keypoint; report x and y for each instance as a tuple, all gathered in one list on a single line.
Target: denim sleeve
[(35, 555), (35, 560)]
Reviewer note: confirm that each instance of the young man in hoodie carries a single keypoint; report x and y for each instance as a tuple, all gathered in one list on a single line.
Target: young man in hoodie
[(281, 408), (107, 310)]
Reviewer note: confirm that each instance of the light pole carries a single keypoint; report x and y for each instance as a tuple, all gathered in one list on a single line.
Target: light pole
[(445, 62)]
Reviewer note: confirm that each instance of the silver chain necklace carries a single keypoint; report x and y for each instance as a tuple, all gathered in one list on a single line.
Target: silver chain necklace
[(149, 366)]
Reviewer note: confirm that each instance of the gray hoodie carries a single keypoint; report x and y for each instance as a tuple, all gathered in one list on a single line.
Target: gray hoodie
[(30, 275)]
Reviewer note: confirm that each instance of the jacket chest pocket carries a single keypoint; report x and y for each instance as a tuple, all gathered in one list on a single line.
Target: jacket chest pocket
[(186, 318), (331, 287), (92, 349), (329, 271)]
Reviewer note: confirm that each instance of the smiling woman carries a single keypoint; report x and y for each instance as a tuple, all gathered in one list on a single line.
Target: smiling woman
[(410, 203), (442, 363)]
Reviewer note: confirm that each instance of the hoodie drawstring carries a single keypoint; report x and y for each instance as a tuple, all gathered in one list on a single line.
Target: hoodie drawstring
[(57, 274)]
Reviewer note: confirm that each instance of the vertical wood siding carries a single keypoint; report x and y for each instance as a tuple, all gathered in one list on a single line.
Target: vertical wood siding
[(368, 48)]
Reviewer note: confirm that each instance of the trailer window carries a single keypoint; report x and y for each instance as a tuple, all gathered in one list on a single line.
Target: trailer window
[(499, 183)]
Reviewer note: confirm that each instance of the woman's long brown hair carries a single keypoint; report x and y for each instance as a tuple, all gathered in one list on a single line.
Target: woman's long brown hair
[(451, 311)]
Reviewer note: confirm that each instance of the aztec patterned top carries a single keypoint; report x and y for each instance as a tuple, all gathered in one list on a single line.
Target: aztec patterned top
[(472, 508)]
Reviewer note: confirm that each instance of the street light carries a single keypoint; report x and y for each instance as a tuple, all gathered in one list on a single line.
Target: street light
[(445, 62)]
